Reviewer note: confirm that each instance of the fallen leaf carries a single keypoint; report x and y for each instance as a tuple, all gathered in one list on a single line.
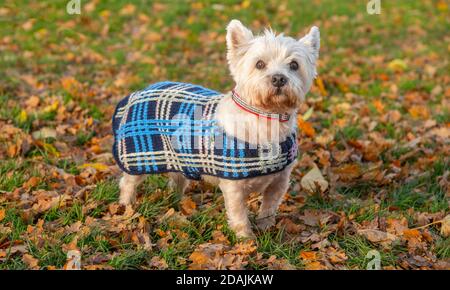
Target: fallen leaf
[(44, 133), (128, 9), (30, 261), (315, 266), (348, 172), (376, 236), (199, 258), (308, 256), (321, 86), (32, 182), (314, 181), (188, 206), (158, 263), (445, 226), (97, 166), (306, 127), (397, 65), (2, 214)]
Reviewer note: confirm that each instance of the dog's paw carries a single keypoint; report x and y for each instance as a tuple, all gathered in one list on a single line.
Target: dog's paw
[(265, 223), (244, 232), (126, 200), (246, 235)]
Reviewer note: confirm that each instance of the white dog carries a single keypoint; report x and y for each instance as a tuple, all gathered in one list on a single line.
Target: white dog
[(273, 73)]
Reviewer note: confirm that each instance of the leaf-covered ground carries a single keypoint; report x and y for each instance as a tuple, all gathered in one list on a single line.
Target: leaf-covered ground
[(376, 124)]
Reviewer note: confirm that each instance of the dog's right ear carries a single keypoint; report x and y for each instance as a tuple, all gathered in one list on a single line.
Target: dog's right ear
[(237, 36)]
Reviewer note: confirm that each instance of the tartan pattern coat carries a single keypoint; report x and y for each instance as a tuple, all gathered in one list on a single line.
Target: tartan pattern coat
[(170, 127)]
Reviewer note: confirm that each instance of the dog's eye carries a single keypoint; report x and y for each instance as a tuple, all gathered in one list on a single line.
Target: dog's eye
[(293, 65), (260, 64)]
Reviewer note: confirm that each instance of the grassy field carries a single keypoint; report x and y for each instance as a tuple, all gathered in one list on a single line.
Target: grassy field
[(379, 132)]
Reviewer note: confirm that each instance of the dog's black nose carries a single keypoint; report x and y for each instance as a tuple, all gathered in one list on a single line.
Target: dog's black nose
[(279, 80)]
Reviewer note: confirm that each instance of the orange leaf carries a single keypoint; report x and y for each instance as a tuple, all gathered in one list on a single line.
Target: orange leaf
[(2, 214), (419, 112), (198, 258), (314, 266), (188, 206), (306, 127), (348, 171), (379, 106), (32, 182), (321, 86), (308, 256), (411, 234)]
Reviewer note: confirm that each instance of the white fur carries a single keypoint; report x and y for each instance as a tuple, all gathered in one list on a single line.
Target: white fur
[(255, 87)]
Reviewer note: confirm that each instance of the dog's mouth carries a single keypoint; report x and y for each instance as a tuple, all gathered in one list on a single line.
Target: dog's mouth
[(279, 98)]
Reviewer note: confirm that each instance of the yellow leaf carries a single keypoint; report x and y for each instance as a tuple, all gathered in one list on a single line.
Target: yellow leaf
[(23, 116), (245, 4), (49, 148), (51, 108), (397, 65), (97, 166), (442, 6), (321, 86), (308, 114)]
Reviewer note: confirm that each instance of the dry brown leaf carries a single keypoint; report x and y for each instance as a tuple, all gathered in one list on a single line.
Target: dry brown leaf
[(188, 206), (445, 226), (32, 182), (199, 258), (30, 261), (315, 266), (376, 236), (158, 263), (348, 172), (314, 181)]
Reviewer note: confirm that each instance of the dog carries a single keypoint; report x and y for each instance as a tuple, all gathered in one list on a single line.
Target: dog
[(273, 73)]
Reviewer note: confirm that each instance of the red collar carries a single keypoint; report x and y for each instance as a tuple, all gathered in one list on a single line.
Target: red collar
[(246, 107)]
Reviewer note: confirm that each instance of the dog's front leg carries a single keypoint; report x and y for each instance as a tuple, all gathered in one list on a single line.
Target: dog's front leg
[(128, 184), (271, 199), (236, 208)]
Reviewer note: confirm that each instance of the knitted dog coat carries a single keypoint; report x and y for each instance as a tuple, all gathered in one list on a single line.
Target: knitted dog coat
[(170, 127)]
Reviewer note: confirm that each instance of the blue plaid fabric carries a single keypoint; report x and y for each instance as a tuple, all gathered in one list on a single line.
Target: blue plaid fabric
[(170, 127)]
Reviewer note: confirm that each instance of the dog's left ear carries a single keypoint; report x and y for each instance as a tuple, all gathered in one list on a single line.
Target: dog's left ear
[(312, 41), (237, 36)]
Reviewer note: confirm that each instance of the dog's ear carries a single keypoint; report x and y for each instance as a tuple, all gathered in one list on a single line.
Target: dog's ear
[(312, 40), (237, 36)]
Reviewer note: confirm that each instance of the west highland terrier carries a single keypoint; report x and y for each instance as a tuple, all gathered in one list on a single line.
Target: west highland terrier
[(243, 141)]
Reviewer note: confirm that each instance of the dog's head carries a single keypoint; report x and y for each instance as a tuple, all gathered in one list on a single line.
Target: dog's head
[(273, 72)]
